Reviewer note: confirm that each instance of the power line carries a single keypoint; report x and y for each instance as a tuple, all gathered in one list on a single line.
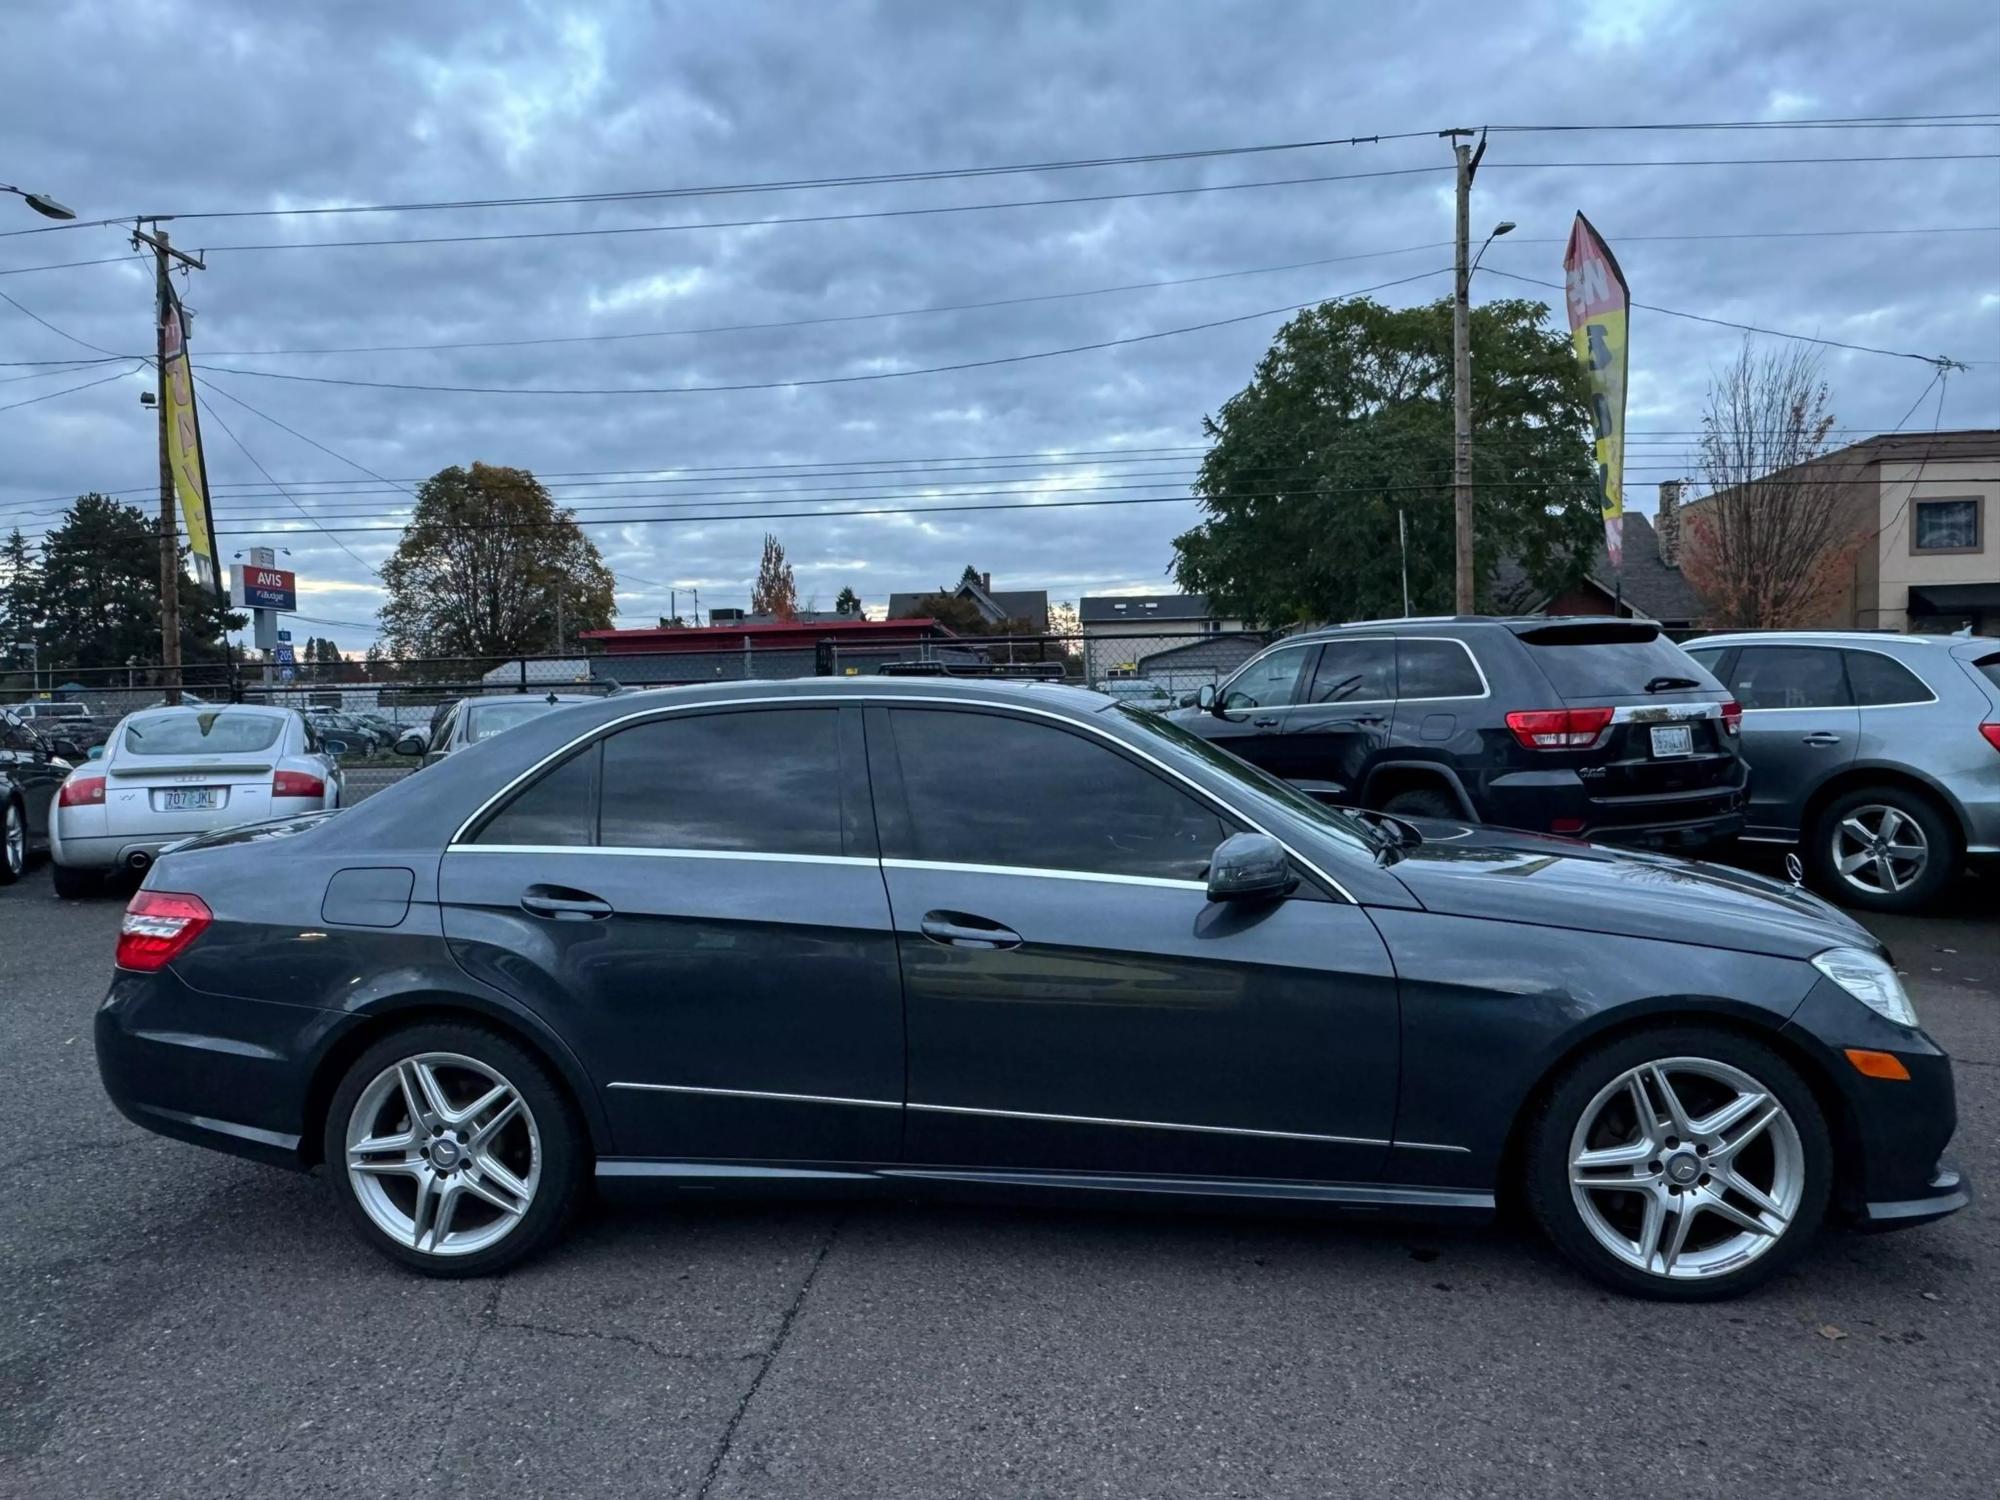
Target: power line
[(59, 332), (66, 390), (208, 384), (821, 380), (216, 416), (64, 265), (1981, 120), (1803, 338)]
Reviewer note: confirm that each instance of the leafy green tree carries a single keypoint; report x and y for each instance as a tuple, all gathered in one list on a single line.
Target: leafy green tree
[(100, 592), (490, 565), (20, 591), (847, 602), (1348, 420)]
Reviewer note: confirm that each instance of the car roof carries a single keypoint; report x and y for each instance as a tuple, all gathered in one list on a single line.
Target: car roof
[(1514, 624), (1828, 638)]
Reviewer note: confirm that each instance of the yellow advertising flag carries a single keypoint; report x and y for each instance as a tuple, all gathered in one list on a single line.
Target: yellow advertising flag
[(184, 442), (1599, 303)]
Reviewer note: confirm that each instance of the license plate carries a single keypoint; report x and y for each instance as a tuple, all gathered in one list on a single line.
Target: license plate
[(196, 799), (1672, 739)]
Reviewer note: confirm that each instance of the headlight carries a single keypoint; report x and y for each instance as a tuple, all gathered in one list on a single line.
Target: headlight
[(1869, 980)]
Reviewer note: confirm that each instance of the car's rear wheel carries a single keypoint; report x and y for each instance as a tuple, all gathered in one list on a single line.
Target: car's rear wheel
[(1686, 1164), (1883, 849), (73, 884), (1424, 802), (453, 1150), (13, 842)]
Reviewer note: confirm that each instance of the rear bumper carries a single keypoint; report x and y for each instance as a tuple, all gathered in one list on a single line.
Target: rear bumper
[(171, 1056), (109, 852), (1561, 801)]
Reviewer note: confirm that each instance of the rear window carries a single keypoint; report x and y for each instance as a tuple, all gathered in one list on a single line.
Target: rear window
[(217, 733), (1989, 668), (56, 711), (489, 719), (1589, 661)]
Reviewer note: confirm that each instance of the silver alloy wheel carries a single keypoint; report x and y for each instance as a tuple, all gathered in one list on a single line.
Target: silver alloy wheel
[(1880, 849), (1686, 1168), (16, 840), (443, 1154)]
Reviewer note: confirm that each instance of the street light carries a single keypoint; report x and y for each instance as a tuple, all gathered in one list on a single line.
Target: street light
[(1505, 226), (41, 203)]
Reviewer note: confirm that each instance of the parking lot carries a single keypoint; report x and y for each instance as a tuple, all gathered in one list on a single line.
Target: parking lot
[(178, 1323)]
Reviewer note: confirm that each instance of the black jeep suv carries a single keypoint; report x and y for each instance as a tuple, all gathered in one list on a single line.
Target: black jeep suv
[(1598, 728)]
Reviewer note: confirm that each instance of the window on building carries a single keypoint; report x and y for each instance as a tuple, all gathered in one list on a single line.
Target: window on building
[(984, 789), (1945, 526)]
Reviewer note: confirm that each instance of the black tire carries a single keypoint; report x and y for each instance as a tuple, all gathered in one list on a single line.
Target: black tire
[(73, 884), (13, 823), (1940, 837), (1424, 802), (564, 1146), (1546, 1159)]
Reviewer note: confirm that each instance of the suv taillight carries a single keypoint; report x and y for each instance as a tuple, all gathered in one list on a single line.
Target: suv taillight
[(158, 927), (1732, 717), (81, 791), (1558, 728), (296, 784), (1991, 729)]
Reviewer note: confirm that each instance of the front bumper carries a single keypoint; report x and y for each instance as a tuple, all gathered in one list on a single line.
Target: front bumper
[(1949, 1192), (171, 1056)]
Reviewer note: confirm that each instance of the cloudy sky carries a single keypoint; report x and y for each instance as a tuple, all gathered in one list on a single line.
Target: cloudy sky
[(195, 107)]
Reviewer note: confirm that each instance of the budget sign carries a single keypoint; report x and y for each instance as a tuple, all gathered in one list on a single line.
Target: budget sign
[(264, 588)]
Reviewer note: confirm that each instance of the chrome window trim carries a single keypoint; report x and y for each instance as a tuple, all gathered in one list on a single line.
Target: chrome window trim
[(644, 852), (689, 1088), (1872, 650), (657, 711), (1036, 872)]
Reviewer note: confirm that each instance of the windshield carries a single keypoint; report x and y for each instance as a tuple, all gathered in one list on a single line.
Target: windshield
[(217, 732), (1338, 822), (489, 719)]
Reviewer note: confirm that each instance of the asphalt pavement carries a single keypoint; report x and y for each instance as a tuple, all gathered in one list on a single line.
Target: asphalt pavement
[(178, 1323)]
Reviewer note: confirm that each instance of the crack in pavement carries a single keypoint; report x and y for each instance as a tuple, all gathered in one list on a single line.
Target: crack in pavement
[(715, 1461), (487, 1320), (591, 1333)]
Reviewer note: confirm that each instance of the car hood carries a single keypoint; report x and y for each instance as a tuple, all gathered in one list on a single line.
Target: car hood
[(1545, 881)]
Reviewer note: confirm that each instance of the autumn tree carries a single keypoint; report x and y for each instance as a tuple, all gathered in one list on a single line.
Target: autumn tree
[(490, 565), (1347, 421), (775, 593), (1772, 546)]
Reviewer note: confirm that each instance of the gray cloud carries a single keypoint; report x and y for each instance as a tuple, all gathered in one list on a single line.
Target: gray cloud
[(178, 106)]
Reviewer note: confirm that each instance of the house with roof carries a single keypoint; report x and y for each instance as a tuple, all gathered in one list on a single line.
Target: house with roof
[(1122, 633), (1649, 585), (737, 651), (994, 606)]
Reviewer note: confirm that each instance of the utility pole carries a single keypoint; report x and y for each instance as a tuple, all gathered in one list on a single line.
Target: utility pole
[(1461, 374), (164, 255)]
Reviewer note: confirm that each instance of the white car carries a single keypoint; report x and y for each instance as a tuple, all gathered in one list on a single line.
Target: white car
[(170, 773)]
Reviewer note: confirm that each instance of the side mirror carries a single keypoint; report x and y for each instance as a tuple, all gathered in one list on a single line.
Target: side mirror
[(1204, 697), (412, 742), (65, 748), (1250, 867)]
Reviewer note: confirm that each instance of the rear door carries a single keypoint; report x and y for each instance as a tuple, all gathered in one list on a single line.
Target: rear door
[(1664, 741), (1342, 717), (1799, 727), (1075, 1002), (695, 903)]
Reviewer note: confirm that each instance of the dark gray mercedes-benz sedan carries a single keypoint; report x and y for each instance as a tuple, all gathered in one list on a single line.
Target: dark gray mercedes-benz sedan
[(901, 935)]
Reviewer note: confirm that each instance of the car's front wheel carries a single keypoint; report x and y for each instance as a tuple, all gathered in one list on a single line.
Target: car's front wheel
[(1686, 1163), (453, 1150), (13, 842), (73, 884)]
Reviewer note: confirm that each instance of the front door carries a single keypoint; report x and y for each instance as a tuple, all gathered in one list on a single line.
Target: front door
[(1249, 714), (694, 901), (1075, 1002), (1799, 728), (1341, 720)]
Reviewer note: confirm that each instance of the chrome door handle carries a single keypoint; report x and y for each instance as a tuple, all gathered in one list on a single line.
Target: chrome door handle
[(1820, 737), (1268, 723), (954, 929), (563, 905)]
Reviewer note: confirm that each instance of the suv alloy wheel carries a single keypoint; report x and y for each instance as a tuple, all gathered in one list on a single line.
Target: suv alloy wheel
[(1883, 849)]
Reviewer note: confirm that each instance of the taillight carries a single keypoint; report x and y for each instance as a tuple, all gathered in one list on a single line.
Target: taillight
[(1732, 717), (81, 791), (158, 927), (1558, 728), (296, 784), (1991, 729)]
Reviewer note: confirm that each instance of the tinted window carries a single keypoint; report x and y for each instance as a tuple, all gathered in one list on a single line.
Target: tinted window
[(764, 782), (1436, 669), (1790, 677), (1989, 668), (982, 789), (1269, 682), (1588, 661), (559, 807), (14, 734), (1878, 679), (1354, 672), (1710, 657), (202, 732)]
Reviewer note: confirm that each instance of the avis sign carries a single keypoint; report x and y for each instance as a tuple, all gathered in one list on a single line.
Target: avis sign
[(264, 588)]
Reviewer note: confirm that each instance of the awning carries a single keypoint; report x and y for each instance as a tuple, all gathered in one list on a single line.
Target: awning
[(1954, 598)]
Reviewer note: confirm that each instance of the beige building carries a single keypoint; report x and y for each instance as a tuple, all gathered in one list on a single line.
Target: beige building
[(1924, 511)]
